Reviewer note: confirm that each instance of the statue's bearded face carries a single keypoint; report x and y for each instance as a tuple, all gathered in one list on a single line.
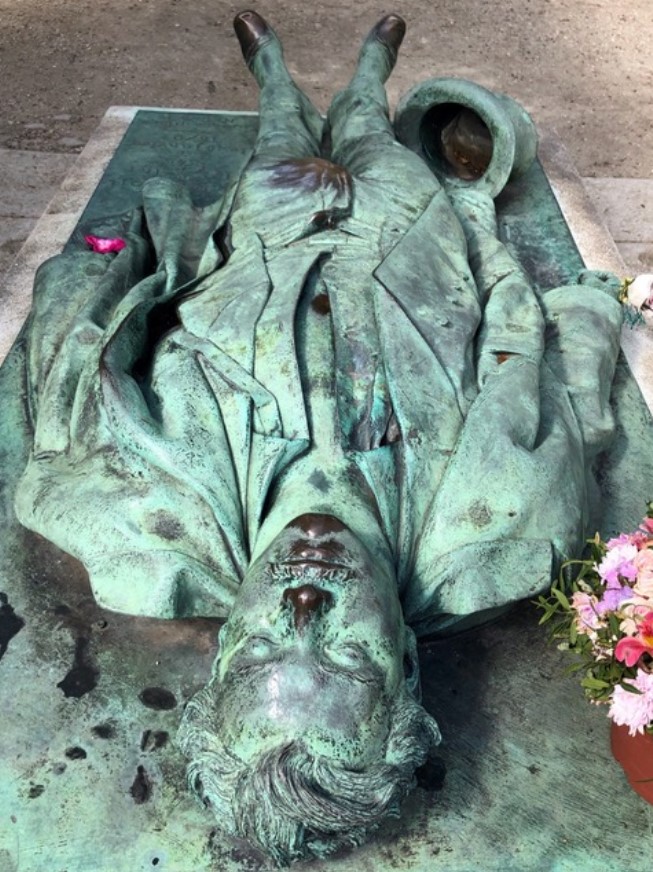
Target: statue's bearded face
[(314, 648)]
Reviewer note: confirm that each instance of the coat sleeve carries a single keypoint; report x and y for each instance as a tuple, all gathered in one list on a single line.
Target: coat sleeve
[(512, 501), (130, 469)]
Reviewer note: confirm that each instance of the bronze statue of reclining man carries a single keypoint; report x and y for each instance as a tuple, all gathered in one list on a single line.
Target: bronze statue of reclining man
[(333, 409)]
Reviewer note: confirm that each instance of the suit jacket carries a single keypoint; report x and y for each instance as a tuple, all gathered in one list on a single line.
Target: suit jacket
[(169, 398)]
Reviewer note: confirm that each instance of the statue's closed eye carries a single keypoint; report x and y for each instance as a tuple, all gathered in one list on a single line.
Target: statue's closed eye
[(258, 648), (346, 655), (353, 659)]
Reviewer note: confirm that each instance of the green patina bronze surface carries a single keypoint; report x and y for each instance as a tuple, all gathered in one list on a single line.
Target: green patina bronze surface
[(330, 402)]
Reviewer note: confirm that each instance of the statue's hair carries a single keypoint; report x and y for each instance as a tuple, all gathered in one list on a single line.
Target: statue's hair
[(292, 804)]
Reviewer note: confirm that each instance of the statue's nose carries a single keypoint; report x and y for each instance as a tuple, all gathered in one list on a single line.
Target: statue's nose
[(306, 601)]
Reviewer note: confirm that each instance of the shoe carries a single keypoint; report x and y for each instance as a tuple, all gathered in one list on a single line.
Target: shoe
[(390, 32), (252, 31)]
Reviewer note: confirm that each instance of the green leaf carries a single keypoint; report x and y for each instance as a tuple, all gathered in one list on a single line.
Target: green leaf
[(573, 634), (594, 683), (630, 688), (562, 599)]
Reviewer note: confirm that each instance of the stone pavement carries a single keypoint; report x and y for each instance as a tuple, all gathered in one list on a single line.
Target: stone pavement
[(626, 208), (29, 180)]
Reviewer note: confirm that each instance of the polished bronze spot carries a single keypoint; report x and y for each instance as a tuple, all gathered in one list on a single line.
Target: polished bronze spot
[(306, 601), (321, 304), (318, 525), (502, 356), (311, 174)]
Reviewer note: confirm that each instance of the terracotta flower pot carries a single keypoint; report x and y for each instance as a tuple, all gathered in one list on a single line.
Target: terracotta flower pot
[(635, 754)]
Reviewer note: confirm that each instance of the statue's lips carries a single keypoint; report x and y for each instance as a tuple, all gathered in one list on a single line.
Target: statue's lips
[(326, 555), (306, 549)]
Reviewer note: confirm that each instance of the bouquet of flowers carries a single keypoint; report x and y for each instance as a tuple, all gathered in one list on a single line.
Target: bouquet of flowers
[(603, 613)]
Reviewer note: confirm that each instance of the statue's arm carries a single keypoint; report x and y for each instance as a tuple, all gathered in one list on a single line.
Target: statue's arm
[(512, 501), (577, 325), (512, 322), (110, 479)]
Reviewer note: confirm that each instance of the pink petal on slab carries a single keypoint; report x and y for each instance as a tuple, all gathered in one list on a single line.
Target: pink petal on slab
[(105, 246)]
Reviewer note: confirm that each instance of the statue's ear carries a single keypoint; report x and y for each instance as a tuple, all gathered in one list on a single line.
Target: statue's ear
[(411, 665)]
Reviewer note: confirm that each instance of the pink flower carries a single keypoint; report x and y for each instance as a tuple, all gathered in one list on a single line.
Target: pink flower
[(642, 592), (612, 599), (639, 539), (633, 613), (618, 562), (105, 246), (621, 539), (631, 648), (587, 618), (633, 710), (643, 563)]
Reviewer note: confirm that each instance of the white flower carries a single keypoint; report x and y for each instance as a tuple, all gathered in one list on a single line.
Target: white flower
[(640, 291), (633, 710)]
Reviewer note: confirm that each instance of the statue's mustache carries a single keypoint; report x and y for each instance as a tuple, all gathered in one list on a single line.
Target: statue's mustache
[(308, 573)]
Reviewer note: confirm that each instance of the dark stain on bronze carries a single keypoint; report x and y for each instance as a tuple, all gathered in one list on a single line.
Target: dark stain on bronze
[(10, 624), (321, 304), (318, 525), (306, 601), (319, 481), (152, 740), (141, 789), (35, 790), (326, 219), (76, 753), (84, 674), (158, 698), (167, 526), (104, 731), (480, 514)]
